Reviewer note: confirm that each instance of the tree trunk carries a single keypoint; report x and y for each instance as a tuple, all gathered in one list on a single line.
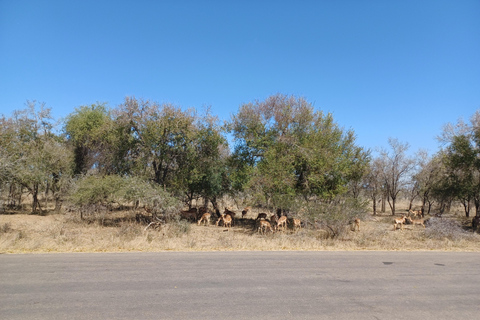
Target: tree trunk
[(36, 203), (466, 206), (58, 205), (384, 200)]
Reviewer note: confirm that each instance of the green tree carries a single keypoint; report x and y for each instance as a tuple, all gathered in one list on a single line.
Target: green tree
[(162, 145), (86, 129), (206, 175), (290, 150), (461, 158), (38, 157), (428, 178)]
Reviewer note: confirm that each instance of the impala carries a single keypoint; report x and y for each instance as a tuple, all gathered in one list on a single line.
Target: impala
[(245, 211), (273, 219), (190, 214), (261, 216), (415, 213), (297, 224), (400, 222), (227, 220), (282, 222), (230, 213), (417, 221), (264, 226), (205, 218)]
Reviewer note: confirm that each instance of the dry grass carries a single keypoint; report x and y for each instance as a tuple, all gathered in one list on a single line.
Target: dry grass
[(23, 233)]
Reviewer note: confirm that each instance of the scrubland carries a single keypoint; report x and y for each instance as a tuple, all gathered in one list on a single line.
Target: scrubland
[(120, 232)]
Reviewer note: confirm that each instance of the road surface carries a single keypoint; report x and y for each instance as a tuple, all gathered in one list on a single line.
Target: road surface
[(241, 285)]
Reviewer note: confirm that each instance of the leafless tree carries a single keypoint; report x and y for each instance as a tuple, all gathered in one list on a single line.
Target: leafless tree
[(396, 169)]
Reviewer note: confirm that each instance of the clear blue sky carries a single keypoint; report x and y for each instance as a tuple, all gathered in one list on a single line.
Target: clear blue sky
[(396, 69)]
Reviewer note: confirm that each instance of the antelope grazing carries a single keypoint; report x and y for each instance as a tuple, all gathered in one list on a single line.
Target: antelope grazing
[(264, 226), (230, 213), (201, 211), (261, 216), (282, 222), (190, 214), (417, 221), (400, 222), (297, 224), (205, 218), (245, 211), (273, 219), (227, 220)]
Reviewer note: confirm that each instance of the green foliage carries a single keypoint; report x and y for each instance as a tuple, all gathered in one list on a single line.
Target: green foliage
[(461, 161), (292, 150), (97, 190), (87, 129), (336, 216), (32, 155), (113, 189)]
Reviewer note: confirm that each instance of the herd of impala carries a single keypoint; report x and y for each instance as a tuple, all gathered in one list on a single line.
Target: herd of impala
[(279, 222), (276, 222)]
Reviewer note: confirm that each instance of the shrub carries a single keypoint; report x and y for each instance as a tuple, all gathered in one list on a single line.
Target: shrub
[(5, 228), (335, 217), (440, 228), (177, 227), (97, 194)]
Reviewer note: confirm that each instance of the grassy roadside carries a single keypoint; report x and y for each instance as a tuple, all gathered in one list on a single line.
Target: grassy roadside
[(23, 233)]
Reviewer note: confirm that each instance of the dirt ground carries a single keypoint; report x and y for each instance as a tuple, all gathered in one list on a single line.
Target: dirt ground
[(119, 232)]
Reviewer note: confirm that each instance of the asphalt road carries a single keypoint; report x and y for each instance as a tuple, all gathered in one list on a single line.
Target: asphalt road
[(241, 285)]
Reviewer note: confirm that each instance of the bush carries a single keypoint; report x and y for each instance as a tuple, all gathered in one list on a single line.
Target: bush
[(440, 228), (93, 194), (94, 190), (5, 228), (335, 217), (177, 227)]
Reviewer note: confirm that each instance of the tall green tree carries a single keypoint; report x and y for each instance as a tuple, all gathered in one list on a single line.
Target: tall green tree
[(86, 129), (290, 150), (461, 158), (39, 158)]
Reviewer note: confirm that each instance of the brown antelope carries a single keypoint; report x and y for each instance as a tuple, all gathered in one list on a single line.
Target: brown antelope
[(297, 224), (417, 221), (230, 213), (273, 219), (400, 222), (245, 211), (415, 213), (264, 226), (205, 218), (201, 211), (190, 214), (356, 224), (261, 216), (282, 222), (227, 220)]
